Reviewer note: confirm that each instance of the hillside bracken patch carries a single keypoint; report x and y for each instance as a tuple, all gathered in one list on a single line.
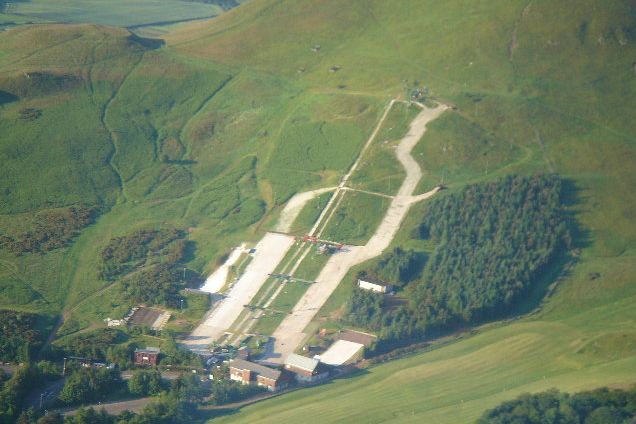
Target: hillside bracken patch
[(129, 252), (40, 83), (53, 229)]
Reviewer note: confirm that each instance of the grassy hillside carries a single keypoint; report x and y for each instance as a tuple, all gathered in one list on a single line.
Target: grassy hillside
[(213, 131), (539, 87), (151, 139)]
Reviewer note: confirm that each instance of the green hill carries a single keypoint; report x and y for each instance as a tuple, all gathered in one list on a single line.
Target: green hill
[(540, 87), (99, 117), (215, 129)]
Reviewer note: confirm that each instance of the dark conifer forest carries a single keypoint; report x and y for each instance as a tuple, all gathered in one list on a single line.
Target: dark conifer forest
[(493, 241), (601, 406)]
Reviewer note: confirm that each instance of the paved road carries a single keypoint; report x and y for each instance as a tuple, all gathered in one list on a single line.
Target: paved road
[(269, 252), (46, 394), (166, 375), (289, 334)]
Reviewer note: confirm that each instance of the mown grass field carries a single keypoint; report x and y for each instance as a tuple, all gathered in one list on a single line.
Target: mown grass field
[(215, 130)]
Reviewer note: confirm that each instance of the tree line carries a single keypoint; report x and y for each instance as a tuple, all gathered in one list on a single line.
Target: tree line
[(14, 391), (601, 406), (176, 402), (493, 241)]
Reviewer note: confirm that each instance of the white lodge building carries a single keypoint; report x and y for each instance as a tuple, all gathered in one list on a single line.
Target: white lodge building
[(375, 285)]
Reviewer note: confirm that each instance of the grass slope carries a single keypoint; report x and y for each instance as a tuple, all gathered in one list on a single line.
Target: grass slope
[(173, 141), (258, 115), (356, 218), (380, 171), (539, 87)]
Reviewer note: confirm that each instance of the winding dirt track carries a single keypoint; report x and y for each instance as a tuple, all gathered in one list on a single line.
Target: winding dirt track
[(289, 334)]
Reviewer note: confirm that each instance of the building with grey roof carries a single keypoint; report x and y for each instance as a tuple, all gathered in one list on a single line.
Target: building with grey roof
[(305, 370), (247, 372)]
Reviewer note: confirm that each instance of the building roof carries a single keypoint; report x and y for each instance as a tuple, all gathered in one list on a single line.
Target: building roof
[(259, 369), (373, 280), (340, 352), (302, 362), (149, 349), (357, 337)]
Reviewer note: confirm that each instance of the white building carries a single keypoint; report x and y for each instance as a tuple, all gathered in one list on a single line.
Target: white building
[(375, 285), (341, 352)]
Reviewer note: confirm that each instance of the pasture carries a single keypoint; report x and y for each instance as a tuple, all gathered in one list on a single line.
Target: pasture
[(309, 214), (121, 13), (319, 141), (379, 170), (356, 218)]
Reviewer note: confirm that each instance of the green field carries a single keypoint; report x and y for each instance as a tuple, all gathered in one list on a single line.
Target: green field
[(356, 218), (379, 170), (214, 130), (310, 213), (118, 12), (319, 141)]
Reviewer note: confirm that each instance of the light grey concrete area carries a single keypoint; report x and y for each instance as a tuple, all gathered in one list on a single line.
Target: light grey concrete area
[(269, 252)]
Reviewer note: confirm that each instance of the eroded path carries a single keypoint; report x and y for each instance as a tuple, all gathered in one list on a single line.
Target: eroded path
[(290, 333)]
